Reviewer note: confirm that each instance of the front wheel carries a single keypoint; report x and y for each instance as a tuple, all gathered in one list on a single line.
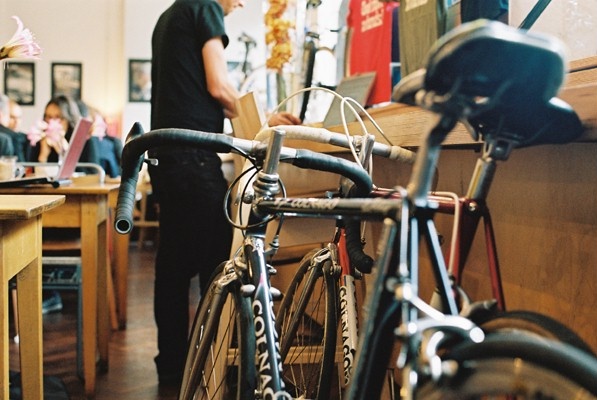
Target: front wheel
[(220, 358), (307, 326), (514, 366)]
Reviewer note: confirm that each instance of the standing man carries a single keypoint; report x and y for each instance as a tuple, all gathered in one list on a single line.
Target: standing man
[(190, 89)]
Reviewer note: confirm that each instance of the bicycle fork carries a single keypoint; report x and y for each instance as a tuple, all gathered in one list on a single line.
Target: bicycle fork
[(269, 362), (348, 308), (267, 346)]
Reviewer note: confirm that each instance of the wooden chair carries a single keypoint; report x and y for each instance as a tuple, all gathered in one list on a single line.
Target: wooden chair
[(141, 222)]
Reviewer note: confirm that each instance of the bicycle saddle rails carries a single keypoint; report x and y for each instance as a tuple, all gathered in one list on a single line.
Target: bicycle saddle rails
[(500, 80)]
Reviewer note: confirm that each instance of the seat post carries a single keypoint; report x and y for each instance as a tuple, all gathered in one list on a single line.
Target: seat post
[(427, 158)]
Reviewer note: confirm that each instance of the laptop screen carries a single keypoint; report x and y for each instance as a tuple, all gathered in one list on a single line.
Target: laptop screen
[(75, 148), (357, 87)]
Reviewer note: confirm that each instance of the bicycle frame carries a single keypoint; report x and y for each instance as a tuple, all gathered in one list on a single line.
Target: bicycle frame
[(467, 213), (267, 351), (404, 269), (474, 211)]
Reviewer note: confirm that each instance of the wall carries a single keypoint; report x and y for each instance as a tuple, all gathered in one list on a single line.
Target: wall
[(572, 21), (89, 32)]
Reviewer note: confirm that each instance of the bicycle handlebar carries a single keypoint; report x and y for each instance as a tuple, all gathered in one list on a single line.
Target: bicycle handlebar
[(322, 135), (136, 145), (358, 258)]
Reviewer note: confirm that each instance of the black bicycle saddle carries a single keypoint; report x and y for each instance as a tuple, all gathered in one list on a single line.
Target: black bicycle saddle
[(500, 79), (552, 122)]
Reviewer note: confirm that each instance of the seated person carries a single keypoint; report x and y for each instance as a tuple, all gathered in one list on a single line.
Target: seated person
[(6, 144), (63, 110), (19, 138), (110, 147)]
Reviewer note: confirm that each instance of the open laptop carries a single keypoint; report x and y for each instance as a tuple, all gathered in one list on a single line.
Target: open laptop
[(67, 168), (359, 88)]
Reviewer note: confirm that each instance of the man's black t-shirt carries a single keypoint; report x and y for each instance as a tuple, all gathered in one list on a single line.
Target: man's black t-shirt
[(179, 96)]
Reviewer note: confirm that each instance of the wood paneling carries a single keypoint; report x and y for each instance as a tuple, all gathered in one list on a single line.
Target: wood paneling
[(543, 203)]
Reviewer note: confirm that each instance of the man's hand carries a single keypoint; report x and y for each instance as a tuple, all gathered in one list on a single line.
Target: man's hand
[(283, 118)]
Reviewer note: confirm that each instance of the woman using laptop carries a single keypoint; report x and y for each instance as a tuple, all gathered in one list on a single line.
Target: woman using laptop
[(60, 116)]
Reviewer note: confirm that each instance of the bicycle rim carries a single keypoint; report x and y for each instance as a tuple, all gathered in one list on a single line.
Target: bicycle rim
[(513, 366), (307, 325), (219, 366)]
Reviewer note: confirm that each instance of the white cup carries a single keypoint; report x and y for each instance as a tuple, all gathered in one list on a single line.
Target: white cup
[(9, 169)]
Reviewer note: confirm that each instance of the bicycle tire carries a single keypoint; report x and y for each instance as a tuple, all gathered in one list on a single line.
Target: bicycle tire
[(534, 323), (516, 365), (220, 360), (308, 344)]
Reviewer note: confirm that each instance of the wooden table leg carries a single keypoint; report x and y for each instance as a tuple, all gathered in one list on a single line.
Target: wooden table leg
[(21, 255), (30, 329), (4, 336), (103, 311), (121, 265), (94, 263), (89, 266)]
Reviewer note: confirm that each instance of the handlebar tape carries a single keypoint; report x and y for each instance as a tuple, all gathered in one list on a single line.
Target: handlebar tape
[(133, 156), (323, 162), (354, 247), (322, 135), (362, 188), (358, 258), (400, 154), (136, 130)]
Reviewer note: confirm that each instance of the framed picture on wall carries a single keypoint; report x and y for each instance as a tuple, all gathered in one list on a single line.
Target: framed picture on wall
[(19, 82), (139, 81), (66, 79)]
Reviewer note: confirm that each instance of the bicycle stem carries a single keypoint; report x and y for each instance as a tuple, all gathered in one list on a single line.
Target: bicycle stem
[(267, 183)]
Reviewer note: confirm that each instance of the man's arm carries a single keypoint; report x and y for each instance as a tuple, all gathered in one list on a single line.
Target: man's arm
[(216, 71), (219, 86)]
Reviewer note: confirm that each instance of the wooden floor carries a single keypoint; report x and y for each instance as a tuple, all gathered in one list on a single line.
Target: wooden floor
[(131, 373)]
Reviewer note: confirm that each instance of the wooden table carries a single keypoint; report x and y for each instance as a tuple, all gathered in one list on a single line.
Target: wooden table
[(20, 255), (86, 208)]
